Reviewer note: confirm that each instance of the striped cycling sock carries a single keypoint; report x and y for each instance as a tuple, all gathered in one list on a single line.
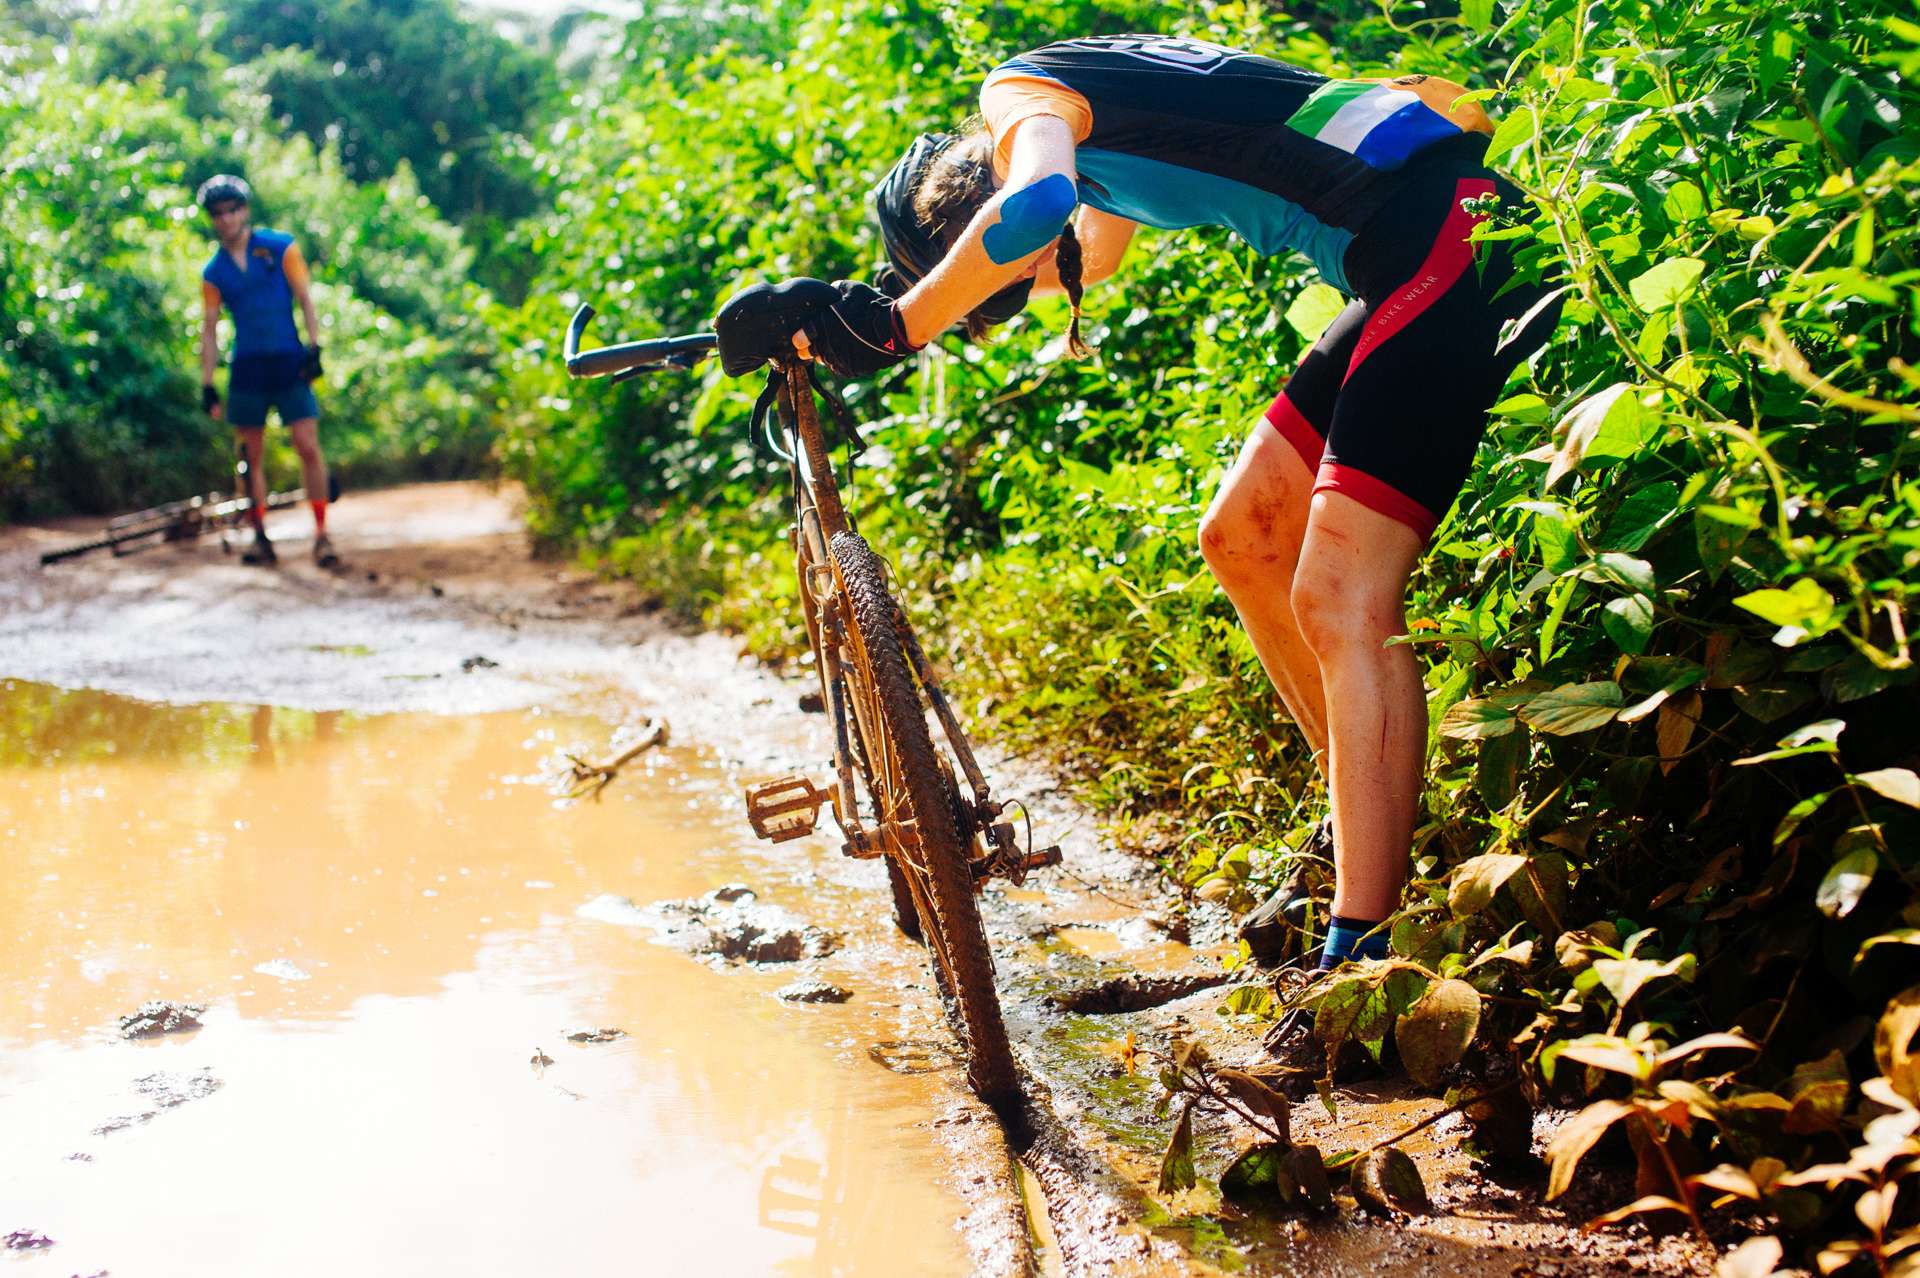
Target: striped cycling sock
[(1344, 941)]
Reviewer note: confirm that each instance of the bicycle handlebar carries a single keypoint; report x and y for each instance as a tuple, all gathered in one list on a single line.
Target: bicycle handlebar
[(631, 358)]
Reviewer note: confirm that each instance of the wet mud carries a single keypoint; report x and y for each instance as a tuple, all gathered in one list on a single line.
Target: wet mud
[(374, 933), (316, 813)]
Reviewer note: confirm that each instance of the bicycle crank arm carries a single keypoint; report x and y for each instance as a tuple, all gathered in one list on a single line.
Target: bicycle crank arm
[(894, 836)]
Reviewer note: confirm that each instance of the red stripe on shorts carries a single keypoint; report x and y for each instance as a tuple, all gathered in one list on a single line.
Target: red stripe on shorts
[(1377, 495), (1446, 262), (1296, 430)]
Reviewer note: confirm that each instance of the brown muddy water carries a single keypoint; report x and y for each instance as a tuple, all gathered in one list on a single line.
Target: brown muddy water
[(381, 925)]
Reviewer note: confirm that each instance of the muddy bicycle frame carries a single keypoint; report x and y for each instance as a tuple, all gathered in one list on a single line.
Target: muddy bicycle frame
[(939, 844), (789, 807)]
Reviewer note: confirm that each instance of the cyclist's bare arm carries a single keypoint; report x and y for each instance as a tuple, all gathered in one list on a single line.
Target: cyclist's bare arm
[(300, 284), (966, 277), (1103, 238), (210, 305)]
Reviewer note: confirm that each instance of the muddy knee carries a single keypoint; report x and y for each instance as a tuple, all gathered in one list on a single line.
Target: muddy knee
[(1336, 612)]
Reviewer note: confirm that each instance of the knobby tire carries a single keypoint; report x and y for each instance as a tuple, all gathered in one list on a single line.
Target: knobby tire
[(956, 939)]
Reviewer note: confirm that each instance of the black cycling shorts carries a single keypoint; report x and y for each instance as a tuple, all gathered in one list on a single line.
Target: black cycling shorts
[(1392, 400)]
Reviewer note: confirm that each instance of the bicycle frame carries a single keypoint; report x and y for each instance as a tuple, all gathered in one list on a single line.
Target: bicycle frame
[(819, 515)]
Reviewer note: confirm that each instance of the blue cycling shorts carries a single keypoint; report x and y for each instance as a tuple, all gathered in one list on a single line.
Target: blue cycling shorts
[(248, 409)]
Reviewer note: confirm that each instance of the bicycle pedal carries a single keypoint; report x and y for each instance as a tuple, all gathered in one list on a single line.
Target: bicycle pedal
[(984, 867), (787, 808)]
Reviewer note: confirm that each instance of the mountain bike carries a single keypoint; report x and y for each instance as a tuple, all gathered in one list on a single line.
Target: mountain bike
[(895, 792)]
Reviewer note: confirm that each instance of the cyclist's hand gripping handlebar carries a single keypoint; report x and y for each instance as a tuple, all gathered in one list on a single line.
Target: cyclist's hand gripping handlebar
[(630, 359)]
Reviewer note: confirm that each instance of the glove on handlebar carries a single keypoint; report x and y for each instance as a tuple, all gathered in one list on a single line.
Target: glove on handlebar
[(209, 398), (758, 323), (310, 370), (862, 333)]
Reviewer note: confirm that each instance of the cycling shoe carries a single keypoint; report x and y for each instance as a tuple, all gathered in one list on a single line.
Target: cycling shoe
[(1288, 911)]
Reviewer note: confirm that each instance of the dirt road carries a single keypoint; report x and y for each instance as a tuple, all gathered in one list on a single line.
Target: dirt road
[(441, 610)]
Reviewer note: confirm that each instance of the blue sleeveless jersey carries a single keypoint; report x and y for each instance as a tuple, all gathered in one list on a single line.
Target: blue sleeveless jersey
[(266, 345)]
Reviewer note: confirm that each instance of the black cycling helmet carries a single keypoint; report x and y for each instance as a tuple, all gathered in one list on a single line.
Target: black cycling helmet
[(915, 247), (222, 188)]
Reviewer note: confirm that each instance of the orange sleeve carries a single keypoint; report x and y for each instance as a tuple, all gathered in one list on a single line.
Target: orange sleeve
[(295, 266), (1008, 99), (210, 298), (1440, 95)]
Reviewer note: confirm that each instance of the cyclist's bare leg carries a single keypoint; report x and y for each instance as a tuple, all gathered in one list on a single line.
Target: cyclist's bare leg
[(1251, 538), (253, 446), (1349, 596), (305, 434)]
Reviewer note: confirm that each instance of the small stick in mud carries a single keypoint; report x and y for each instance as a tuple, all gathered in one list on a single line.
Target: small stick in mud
[(585, 780)]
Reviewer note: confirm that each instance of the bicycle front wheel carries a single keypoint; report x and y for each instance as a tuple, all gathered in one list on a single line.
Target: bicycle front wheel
[(908, 785)]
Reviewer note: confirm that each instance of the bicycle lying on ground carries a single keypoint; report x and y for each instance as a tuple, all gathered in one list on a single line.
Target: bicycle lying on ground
[(941, 843)]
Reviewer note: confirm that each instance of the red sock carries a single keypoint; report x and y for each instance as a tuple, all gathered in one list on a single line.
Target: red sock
[(319, 517)]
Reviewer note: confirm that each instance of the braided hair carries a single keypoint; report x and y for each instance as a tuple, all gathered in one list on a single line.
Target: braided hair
[(1066, 264), (954, 188)]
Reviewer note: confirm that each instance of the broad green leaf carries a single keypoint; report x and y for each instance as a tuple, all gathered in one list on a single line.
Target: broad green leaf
[(1640, 516), (1899, 936), (1558, 545), (1768, 702), (1667, 284), (1804, 604), (1496, 773), (1314, 309), (1258, 1177), (1827, 730), (1574, 707), (1477, 879), (1624, 978), (1717, 541), (1616, 406), (1662, 674), (1798, 813), (1339, 1008), (1436, 1031), (1251, 1000), (1846, 883), (1176, 1165), (1898, 784), (1893, 1044), (1684, 203), (1516, 130), (1522, 408), (1576, 1137), (1477, 14), (1477, 720), (1540, 890), (1629, 622), (1621, 570), (1386, 1181)]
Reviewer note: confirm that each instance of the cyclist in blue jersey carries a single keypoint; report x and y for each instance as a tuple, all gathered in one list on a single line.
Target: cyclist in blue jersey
[(1340, 483), (258, 275)]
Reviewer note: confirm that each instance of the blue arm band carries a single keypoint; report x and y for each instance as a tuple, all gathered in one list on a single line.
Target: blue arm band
[(1030, 219)]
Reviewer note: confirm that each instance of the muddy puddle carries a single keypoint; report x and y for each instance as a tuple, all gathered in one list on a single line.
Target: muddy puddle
[(378, 916)]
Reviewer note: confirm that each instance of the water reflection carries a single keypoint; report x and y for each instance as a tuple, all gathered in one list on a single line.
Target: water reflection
[(380, 1117)]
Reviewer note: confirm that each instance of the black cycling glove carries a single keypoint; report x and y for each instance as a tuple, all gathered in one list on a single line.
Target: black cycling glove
[(862, 333), (310, 370), (758, 323), (209, 398)]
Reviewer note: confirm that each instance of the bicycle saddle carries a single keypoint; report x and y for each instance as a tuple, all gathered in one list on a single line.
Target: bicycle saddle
[(759, 322)]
